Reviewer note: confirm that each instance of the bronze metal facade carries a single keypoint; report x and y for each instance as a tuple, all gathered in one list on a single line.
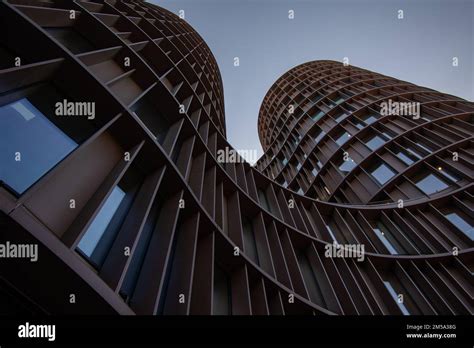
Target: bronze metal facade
[(193, 235)]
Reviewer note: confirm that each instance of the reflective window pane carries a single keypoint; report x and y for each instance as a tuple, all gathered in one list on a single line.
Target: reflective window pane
[(424, 147), (347, 166), (431, 184), (96, 230), (383, 173), (343, 138), (316, 117), (448, 174), (31, 144), (319, 137), (404, 157), (394, 295), (375, 142), (369, 119), (341, 116), (414, 153), (461, 223)]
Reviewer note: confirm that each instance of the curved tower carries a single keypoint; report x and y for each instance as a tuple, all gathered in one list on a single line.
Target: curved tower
[(348, 135), (122, 188)]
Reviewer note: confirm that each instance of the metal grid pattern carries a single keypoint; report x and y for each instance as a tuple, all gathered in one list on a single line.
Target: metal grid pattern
[(201, 236)]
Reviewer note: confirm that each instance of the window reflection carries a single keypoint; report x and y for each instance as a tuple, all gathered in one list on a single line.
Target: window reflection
[(382, 173), (31, 144), (97, 228), (431, 183)]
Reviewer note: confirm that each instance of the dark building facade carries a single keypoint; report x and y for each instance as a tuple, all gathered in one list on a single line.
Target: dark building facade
[(112, 122), (421, 138)]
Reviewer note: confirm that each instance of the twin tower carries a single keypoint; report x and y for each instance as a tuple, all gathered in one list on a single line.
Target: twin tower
[(361, 204)]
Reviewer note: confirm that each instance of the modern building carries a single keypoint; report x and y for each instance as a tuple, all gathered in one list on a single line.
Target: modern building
[(111, 125), (347, 135)]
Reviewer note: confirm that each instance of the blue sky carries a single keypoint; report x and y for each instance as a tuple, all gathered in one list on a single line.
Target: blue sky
[(418, 48)]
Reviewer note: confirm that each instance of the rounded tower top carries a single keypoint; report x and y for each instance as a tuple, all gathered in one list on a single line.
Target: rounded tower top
[(286, 92)]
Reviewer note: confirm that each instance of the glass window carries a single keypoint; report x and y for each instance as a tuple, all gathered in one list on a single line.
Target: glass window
[(331, 233), (383, 173), (404, 157), (285, 161), (375, 143), (414, 153), (298, 167), (320, 136), (341, 116), (381, 233), (427, 118), (343, 138), (357, 123), (316, 117), (424, 147), (431, 183), (394, 295), (314, 172), (461, 223), (327, 190), (31, 144), (96, 230), (450, 175), (369, 119), (347, 166)]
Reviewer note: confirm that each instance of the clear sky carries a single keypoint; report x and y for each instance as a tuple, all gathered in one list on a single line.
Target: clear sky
[(418, 48)]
